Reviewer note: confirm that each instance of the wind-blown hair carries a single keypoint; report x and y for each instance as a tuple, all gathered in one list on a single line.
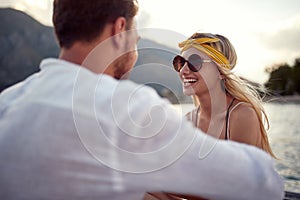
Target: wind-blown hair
[(237, 87)]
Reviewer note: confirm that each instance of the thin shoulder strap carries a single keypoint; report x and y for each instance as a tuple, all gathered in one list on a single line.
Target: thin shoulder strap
[(191, 116), (227, 120), (196, 120)]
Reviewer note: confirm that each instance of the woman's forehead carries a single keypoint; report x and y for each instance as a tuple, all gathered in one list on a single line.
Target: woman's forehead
[(193, 50)]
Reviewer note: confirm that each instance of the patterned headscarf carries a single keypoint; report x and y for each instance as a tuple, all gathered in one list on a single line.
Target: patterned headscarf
[(201, 44)]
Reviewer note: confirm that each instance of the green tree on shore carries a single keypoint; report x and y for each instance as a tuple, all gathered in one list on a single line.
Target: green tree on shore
[(284, 79), (296, 75)]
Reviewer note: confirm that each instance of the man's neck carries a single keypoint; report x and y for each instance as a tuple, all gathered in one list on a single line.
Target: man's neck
[(87, 56), (76, 54)]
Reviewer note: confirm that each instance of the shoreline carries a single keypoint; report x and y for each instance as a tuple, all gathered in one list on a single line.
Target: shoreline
[(294, 99), (283, 99)]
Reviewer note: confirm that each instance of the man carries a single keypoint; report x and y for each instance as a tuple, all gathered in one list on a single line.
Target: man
[(74, 131)]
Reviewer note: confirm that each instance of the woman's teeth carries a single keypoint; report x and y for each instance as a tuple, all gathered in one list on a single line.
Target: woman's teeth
[(190, 80)]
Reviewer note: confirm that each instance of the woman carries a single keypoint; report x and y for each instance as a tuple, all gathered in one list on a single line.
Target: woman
[(226, 106)]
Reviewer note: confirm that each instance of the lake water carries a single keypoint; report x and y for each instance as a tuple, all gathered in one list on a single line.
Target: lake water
[(284, 136)]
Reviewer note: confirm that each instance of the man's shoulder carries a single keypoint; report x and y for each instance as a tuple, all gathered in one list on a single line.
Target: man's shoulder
[(127, 91), (83, 78)]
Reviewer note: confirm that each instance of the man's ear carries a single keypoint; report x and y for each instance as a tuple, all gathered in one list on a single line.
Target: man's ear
[(119, 26)]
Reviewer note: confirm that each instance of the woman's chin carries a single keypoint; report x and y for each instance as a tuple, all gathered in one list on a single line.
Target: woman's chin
[(188, 91)]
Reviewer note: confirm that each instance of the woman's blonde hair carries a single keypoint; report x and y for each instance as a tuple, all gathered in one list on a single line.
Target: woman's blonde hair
[(237, 87)]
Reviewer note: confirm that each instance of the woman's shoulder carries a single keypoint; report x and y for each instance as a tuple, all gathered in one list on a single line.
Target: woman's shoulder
[(188, 115), (243, 112), (241, 106), (244, 124)]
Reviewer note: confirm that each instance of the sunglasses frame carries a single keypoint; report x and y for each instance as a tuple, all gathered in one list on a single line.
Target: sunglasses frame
[(192, 67)]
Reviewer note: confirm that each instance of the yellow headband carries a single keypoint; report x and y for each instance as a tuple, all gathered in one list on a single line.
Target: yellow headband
[(201, 45)]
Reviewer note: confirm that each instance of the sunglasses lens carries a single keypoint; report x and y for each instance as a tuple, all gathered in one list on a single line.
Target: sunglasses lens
[(194, 62), (178, 63)]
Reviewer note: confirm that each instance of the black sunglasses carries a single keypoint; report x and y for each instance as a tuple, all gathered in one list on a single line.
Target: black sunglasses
[(194, 62)]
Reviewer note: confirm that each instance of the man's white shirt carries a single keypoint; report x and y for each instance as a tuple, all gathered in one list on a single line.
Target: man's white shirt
[(67, 133)]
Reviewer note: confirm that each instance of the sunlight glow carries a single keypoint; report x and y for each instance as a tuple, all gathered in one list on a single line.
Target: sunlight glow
[(262, 33), (41, 4), (20, 6)]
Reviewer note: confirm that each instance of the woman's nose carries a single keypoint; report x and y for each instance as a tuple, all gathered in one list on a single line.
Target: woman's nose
[(185, 69)]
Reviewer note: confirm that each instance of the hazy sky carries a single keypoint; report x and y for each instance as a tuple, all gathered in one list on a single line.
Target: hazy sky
[(264, 32)]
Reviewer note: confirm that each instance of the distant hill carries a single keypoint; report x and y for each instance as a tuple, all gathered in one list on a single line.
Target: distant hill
[(25, 42), (154, 68)]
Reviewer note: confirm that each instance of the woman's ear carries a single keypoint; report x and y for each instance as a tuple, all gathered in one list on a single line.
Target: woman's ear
[(118, 29)]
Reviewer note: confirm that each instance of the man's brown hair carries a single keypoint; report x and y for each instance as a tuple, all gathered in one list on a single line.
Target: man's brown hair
[(84, 20)]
